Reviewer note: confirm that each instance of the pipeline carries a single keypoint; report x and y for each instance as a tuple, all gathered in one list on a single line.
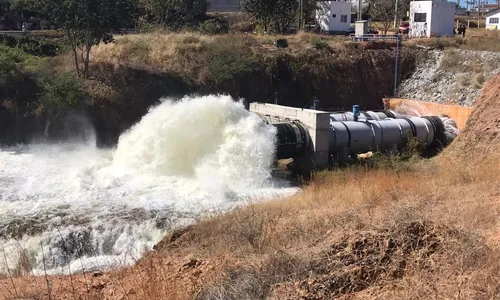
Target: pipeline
[(389, 134), (362, 132), (293, 140), (364, 115)]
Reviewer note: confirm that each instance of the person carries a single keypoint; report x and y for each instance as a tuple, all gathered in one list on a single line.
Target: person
[(463, 30), (23, 27)]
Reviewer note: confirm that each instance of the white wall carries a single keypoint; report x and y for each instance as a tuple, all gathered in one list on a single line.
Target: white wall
[(418, 29), (490, 25), (443, 19), (440, 18), (325, 15)]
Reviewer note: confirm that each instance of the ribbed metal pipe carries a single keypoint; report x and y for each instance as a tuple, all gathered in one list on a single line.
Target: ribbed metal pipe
[(364, 115), (293, 140), (370, 135)]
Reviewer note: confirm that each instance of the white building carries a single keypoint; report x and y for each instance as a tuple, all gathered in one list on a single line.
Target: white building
[(333, 16), (493, 19), (432, 18)]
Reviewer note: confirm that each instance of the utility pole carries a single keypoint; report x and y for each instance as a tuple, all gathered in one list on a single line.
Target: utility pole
[(360, 10), (396, 14)]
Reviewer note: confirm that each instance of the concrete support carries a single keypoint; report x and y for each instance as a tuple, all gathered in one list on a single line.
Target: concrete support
[(315, 121)]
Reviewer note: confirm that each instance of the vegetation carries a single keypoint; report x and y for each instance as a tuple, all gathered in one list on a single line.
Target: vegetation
[(383, 11), (86, 23), (273, 15), (175, 14)]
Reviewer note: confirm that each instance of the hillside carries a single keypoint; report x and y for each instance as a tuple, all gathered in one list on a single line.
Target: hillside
[(130, 75), (397, 230)]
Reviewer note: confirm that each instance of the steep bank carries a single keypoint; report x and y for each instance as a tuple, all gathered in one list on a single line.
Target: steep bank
[(452, 76), (133, 73)]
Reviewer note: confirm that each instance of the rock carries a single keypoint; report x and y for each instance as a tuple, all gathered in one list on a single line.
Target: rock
[(192, 263), (97, 274)]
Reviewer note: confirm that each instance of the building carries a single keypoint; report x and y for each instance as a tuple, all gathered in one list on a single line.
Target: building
[(432, 18), (225, 5), (333, 16), (493, 19)]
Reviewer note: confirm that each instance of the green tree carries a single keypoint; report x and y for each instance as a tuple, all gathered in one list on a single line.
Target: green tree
[(383, 11), (262, 11), (176, 14), (87, 23), (278, 14)]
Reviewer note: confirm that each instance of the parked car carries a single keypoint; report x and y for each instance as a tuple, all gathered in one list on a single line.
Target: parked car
[(404, 28)]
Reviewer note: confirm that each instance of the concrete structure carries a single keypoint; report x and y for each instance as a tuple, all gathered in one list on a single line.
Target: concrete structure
[(493, 19), (458, 113), (361, 28), (432, 18), (225, 5), (333, 16), (315, 121)]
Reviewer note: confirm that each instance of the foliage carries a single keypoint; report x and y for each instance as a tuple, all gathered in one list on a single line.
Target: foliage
[(229, 58), (30, 45), (176, 14), (276, 15), (87, 23), (383, 11), (214, 26), (60, 91), (321, 44)]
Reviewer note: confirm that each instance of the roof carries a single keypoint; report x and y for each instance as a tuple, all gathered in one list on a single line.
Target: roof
[(493, 12)]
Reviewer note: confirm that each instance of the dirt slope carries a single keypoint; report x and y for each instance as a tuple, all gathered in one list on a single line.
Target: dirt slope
[(481, 134)]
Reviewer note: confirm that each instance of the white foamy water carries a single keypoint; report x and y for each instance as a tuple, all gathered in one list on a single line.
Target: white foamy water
[(72, 207)]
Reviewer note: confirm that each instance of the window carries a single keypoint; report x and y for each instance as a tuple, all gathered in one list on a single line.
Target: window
[(420, 17), (494, 20), (343, 18), (334, 16)]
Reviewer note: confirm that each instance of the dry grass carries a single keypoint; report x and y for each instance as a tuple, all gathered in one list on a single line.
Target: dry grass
[(475, 39), (440, 216)]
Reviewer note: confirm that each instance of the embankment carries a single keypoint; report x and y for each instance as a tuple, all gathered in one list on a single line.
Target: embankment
[(133, 73)]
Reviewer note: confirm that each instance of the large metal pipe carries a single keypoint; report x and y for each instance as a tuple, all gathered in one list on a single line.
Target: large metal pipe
[(364, 115), (388, 134), (293, 140)]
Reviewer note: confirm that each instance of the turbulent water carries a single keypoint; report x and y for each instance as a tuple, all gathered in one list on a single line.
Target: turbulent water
[(73, 207)]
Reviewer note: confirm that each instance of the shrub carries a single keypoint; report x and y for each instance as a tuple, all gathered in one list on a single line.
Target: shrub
[(30, 45), (214, 26), (61, 91), (230, 56), (321, 44)]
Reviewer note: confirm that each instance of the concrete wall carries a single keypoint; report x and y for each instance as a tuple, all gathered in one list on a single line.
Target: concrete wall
[(329, 15), (439, 20), (420, 29), (458, 113), (316, 122), (443, 19), (490, 25)]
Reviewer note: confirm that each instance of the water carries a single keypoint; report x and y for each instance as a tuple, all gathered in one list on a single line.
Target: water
[(72, 207), (419, 110)]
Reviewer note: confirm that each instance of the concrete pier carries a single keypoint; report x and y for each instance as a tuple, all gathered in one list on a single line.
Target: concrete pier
[(315, 121)]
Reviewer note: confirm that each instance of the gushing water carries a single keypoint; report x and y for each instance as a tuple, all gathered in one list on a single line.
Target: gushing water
[(419, 110), (72, 207)]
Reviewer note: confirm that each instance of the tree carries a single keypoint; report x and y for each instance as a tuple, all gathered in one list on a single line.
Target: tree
[(176, 14), (87, 23), (383, 11), (284, 14), (278, 14)]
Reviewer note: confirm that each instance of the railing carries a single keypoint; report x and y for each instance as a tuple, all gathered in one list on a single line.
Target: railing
[(376, 37)]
